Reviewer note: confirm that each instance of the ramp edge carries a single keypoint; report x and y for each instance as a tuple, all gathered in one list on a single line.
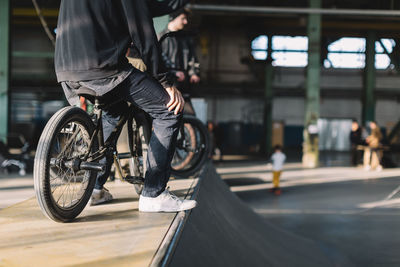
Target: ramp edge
[(166, 249)]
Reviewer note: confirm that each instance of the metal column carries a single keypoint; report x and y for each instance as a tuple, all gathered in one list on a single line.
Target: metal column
[(268, 96), (368, 105), (310, 144), (4, 66)]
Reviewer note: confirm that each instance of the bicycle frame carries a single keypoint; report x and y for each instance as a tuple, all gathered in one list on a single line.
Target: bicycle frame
[(98, 133), (109, 146)]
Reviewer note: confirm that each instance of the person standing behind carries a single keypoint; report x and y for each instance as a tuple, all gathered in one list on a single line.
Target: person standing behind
[(179, 55), (278, 159), (355, 140), (373, 141)]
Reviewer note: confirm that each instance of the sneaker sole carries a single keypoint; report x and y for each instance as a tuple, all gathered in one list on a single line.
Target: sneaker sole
[(100, 202), (167, 211)]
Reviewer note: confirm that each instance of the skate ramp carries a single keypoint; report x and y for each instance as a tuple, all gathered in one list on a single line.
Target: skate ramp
[(223, 231)]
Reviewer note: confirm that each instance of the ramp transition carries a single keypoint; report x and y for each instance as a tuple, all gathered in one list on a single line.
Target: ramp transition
[(223, 231)]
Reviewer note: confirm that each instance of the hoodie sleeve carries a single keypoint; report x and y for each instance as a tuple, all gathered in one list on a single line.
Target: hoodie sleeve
[(141, 29), (165, 7)]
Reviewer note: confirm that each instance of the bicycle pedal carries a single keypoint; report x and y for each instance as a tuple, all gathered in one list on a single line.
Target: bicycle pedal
[(134, 179)]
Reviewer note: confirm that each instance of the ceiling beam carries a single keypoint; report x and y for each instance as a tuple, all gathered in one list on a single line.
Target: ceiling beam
[(31, 12), (263, 10)]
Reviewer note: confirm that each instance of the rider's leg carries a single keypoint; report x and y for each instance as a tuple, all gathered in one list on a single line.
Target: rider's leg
[(145, 92), (109, 121), (110, 118), (100, 194)]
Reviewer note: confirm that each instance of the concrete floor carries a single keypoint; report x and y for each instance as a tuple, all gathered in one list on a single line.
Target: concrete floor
[(352, 214), (14, 189), (115, 234)]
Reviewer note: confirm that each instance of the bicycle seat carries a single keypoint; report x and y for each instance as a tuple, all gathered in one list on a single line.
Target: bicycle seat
[(91, 95), (84, 91), (103, 102)]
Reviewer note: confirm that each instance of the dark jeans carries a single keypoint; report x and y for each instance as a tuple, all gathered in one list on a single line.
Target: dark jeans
[(146, 93)]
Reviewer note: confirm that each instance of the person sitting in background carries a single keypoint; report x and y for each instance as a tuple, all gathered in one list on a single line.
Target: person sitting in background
[(278, 159), (372, 156), (355, 140)]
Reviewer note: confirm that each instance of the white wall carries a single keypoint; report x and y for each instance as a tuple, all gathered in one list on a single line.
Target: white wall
[(235, 109), (289, 110), (340, 108), (387, 112)]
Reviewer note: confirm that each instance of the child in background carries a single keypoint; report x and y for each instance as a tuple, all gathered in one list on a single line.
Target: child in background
[(278, 159)]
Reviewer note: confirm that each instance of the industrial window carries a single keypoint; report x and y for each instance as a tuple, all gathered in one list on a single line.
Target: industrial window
[(350, 53), (382, 60), (346, 52), (287, 51), (259, 47)]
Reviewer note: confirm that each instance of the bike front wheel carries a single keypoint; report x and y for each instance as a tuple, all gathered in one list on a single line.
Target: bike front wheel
[(63, 189), (192, 148)]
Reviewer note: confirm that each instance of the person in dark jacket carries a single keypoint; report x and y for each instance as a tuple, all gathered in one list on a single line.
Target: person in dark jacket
[(179, 55), (355, 140), (92, 40)]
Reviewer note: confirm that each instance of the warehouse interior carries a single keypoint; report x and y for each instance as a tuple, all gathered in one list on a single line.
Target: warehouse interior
[(288, 76), (261, 69)]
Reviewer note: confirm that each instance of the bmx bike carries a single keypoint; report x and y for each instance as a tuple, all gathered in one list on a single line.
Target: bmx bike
[(69, 151), (71, 146)]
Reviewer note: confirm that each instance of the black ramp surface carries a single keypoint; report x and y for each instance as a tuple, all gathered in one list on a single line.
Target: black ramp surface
[(223, 231)]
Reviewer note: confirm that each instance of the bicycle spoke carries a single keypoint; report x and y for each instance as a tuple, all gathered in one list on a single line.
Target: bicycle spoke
[(73, 194), (57, 178), (68, 186), (71, 139), (62, 194)]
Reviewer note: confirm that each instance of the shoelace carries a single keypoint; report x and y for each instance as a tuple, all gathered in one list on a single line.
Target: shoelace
[(171, 195)]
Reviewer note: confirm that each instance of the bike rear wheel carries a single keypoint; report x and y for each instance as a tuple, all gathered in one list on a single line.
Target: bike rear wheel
[(192, 148), (63, 190)]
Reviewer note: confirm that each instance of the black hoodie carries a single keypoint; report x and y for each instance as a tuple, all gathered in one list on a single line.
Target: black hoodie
[(93, 37)]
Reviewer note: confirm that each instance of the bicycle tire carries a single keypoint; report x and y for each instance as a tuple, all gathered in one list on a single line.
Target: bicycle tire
[(46, 174), (141, 135), (201, 149), (187, 128)]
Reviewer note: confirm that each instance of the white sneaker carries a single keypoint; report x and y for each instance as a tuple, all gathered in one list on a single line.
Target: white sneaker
[(166, 202), (100, 196)]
